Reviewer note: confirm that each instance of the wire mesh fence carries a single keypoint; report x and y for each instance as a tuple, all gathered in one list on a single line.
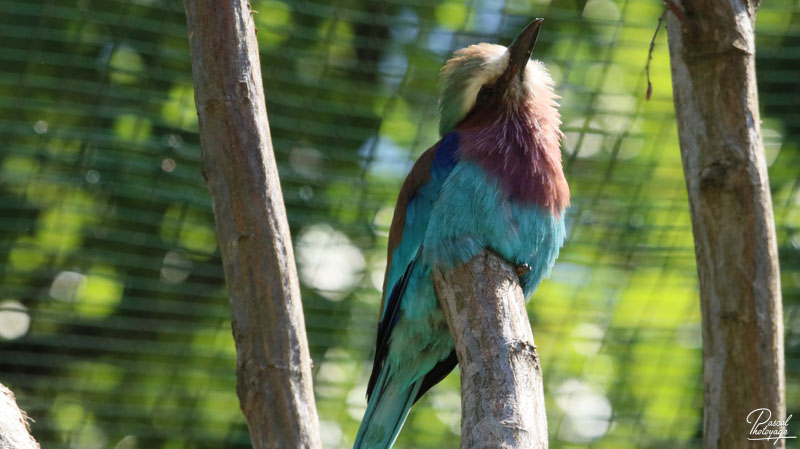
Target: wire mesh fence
[(114, 324)]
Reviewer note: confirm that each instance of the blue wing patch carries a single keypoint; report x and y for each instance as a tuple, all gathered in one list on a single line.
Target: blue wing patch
[(408, 251), (418, 211)]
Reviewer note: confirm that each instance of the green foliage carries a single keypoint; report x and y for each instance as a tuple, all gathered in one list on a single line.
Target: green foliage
[(114, 323)]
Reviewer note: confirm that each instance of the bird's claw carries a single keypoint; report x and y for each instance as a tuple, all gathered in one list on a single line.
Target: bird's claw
[(522, 269)]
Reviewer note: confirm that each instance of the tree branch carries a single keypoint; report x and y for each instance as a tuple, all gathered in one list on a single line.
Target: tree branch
[(502, 396), (712, 50), (14, 431), (273, 362)]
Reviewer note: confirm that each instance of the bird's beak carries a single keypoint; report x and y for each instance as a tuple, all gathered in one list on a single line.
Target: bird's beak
[(520, 50)]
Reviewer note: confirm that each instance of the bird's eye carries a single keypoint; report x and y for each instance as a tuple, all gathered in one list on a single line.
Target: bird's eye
[(486, 95)]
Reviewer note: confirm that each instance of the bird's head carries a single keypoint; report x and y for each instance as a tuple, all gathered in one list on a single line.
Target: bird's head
[(486, 80)]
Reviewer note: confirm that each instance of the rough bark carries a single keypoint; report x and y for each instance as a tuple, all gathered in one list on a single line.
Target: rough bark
[(273, 362), (502, 397), (716, 102), (14, 430)]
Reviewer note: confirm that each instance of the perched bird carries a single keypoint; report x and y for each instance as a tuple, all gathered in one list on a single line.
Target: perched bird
[(493, 181)]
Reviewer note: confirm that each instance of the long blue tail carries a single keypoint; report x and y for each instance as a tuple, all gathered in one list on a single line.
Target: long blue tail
[(386, 412)]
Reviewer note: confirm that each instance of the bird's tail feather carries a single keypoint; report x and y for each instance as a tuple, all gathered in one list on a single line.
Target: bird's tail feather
[(386, 412)]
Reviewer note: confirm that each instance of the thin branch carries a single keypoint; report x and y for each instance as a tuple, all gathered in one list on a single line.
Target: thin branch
[(650, 53)]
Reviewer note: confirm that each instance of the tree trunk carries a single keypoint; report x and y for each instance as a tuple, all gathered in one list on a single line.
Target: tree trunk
[(716, 102), (502, 397), (14, 431), (272, 357)]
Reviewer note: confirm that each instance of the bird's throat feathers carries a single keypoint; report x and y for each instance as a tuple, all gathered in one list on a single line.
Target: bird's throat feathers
[(517, 139), (520, 147)]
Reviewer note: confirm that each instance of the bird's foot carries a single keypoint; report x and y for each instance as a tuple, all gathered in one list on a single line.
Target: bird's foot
[(522, 269)]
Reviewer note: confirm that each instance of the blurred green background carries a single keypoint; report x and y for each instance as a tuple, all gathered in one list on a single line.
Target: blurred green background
[(114, 322)]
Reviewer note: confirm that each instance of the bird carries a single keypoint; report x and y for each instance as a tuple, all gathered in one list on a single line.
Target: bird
[(493, 181)]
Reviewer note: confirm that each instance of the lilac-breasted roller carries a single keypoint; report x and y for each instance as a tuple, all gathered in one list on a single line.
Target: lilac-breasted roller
[(493, 181)]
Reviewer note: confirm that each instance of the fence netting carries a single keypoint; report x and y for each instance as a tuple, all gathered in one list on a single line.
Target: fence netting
[(114, 320)]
